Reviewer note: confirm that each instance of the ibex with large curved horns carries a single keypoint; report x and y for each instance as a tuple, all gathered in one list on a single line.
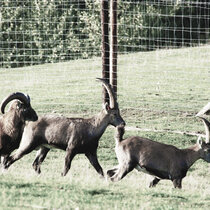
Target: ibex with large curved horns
[(157, 159), (74, 135), (13, 121)]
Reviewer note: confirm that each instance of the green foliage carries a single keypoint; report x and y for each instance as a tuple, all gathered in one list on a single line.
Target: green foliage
[(36, 31), (46, 31)]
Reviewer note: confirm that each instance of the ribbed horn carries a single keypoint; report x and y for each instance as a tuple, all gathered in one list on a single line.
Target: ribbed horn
[(204, 110), (20, 96), (112, 97), (207, 128)]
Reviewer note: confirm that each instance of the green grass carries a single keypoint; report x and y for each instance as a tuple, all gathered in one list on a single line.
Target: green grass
[(156, 90)]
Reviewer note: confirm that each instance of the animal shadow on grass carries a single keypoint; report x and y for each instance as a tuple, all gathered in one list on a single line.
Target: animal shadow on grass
[(165, 195), (26, 188), (97, 192), (107, 193)]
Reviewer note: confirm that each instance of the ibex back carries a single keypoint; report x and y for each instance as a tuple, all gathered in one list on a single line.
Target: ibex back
[(75, 135)]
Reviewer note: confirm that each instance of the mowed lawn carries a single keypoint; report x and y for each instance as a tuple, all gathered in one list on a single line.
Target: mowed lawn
[(160, 90)]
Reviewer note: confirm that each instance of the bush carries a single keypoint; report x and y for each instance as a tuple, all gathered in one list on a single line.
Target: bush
[(36, 31)]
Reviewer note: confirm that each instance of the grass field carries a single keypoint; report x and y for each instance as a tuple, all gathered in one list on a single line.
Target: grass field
[(160, 90)]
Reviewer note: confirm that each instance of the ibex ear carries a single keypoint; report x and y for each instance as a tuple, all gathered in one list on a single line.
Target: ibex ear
[(107, 107)]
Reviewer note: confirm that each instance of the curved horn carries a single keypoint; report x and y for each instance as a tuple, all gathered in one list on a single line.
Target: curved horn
[(20, 96), (207, 128), (204, 110), (112, 97)]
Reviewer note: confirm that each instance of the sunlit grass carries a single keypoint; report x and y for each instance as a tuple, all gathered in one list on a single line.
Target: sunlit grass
[(156, 90)]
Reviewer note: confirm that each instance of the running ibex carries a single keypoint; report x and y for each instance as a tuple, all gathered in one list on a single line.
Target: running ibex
[(74, 135), (13, 121), (160, 160)]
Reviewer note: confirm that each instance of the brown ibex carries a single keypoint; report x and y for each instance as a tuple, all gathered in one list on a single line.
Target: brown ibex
[(74, 135), (13, 121), (157, 159)]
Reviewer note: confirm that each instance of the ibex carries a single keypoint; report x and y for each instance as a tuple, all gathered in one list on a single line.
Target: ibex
[(74, 135), (13, 121), (160, 160)]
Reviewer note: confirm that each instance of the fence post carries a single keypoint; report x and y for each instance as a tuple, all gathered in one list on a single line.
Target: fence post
[(105, 45), (113, 63)]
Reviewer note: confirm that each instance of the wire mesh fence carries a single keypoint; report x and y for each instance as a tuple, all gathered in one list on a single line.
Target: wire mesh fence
[(34, 32), (163, 58)]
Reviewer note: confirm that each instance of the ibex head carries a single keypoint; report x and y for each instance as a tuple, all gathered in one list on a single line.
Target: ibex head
[(112, 108), (21, 106)]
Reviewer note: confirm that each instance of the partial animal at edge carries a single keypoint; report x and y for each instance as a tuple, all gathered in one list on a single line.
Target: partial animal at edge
[(13, 122)]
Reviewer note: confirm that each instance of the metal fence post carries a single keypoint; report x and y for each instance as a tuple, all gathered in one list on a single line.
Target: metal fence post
[(113, 63)]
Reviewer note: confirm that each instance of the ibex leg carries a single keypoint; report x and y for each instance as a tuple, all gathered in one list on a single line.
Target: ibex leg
[(40, 156), (20, 152), (122, 171), (177, 183), (70, 153), (92, 157)]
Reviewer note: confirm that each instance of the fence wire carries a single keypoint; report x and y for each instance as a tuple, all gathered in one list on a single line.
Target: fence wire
[(52, 50)]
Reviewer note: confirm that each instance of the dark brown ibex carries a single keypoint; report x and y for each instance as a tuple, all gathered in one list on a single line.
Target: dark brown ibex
[(157, 159), (75, 135), (13, 121)]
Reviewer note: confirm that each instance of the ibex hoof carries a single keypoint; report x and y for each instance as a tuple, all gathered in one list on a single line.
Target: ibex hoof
[(36, 168), (7, 163), (151, 185), (101, 176), (63, 174)]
